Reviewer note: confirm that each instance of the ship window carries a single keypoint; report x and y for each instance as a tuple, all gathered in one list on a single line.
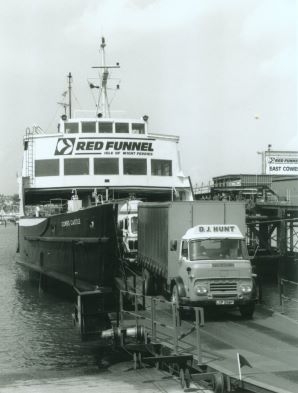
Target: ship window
[(88, 126), (105, 127), (76, 166), (106, 166), (138, 128), (46, 167), (134, 166), (161, 167), (71, 128), (121, 128)]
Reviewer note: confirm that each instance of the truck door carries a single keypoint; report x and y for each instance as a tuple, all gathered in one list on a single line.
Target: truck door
[(184, 256)]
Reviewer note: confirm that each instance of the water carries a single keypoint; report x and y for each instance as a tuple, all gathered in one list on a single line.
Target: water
[(37, 335)]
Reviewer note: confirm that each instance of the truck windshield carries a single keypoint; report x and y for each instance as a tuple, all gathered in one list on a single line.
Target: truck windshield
[(134, 224), (217, 249)]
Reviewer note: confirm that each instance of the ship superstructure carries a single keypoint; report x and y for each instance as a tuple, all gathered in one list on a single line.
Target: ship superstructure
[(102, 158), (73, 184)]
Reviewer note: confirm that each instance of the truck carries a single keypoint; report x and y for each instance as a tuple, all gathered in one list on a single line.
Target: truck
[(195, 253)]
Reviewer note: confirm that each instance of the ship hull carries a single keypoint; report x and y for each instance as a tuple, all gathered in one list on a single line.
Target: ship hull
[(78, 248)]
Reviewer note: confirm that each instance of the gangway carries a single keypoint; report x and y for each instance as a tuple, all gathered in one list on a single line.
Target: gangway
[(167, 349), (269, 342)]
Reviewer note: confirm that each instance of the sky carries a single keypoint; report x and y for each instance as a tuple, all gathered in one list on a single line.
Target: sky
[(220, 74)]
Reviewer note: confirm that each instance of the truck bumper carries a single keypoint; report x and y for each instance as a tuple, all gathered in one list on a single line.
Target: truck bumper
[(224, 302)]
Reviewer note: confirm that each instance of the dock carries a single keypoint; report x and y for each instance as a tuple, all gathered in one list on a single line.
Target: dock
[(117, 378)]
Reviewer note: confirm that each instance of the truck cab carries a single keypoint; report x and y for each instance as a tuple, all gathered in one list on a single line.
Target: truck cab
[(128, 229), (215, 268)]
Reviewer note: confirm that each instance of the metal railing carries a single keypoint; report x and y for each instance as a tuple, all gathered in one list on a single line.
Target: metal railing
[(145, 310), (289, 296)]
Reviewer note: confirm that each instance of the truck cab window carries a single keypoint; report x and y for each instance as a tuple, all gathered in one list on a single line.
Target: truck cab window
[(126, 223), (217, 249), (134, 224), (184, 250), (231, 248)]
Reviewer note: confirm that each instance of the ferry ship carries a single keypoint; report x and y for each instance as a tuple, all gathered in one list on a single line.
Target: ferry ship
[(75, 181)]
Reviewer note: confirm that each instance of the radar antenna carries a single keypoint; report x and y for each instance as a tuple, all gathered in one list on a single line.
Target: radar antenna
[(103, 103)]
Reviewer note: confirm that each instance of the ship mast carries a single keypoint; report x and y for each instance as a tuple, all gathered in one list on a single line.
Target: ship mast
[(103, 102), (69, 76)]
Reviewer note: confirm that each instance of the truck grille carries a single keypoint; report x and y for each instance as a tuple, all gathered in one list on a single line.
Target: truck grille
[(225, 296), (223, 286)]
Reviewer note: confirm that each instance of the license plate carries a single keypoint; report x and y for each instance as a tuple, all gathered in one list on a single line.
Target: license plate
[(225, 302)]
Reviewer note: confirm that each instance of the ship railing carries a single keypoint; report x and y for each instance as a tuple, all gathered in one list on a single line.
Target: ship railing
[(163, 319), (34, 130), (45, 209), (289, 298)]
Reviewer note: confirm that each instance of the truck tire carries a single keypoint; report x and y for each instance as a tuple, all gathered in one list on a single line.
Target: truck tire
[(247, 310)]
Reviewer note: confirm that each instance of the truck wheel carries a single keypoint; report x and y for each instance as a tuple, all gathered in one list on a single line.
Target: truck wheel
[(247, 310)]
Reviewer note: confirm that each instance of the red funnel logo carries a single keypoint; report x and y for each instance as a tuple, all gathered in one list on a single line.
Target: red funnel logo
[(64, 146)]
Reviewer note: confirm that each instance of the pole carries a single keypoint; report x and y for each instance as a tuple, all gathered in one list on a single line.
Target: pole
[(153, 316), (121, 309), (239, 367), (69, 93), (136, 308), (175, 327), (198, 336)]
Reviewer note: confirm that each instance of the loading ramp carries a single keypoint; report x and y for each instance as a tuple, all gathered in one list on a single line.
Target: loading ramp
[(269, 342)]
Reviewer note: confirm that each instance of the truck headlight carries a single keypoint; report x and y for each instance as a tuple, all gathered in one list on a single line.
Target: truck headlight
[(245, 288), (201, 290)]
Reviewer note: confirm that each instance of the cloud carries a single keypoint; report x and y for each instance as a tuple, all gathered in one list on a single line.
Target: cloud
[(140, 16), (282, 65), (271, 22), (200, 68)]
